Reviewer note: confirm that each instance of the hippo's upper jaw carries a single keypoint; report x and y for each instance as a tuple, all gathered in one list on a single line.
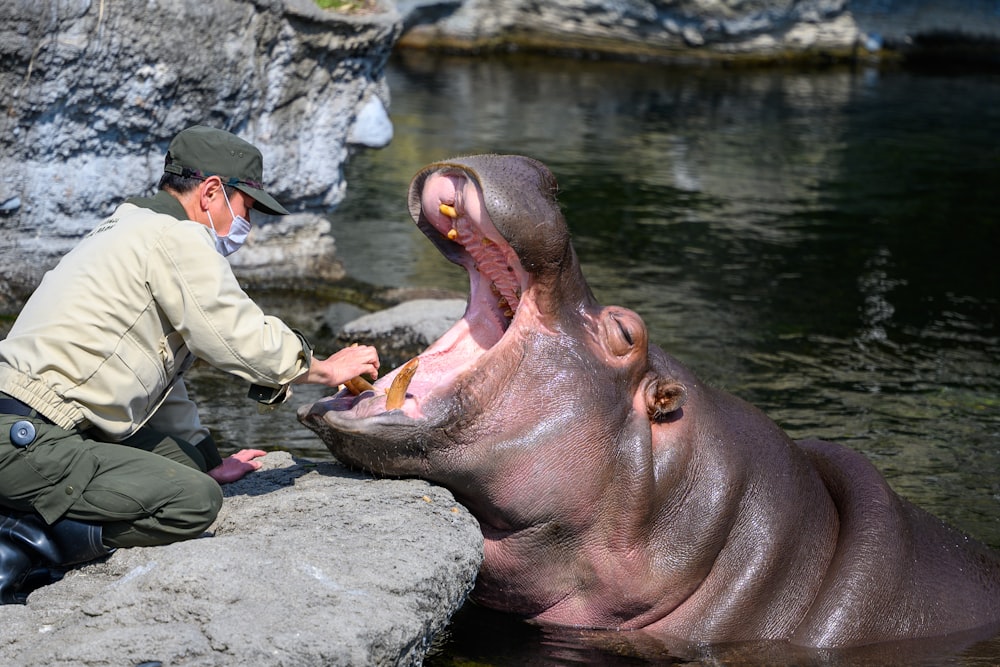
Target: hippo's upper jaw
[(456, 205)]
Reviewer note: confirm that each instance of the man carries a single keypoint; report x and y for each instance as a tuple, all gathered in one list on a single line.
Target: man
[(100, 446)]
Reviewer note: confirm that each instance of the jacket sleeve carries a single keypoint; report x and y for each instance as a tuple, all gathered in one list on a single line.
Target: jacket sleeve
[(199, 295)]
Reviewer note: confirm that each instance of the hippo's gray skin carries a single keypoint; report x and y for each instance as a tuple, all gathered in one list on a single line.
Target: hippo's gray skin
[(614, 488)]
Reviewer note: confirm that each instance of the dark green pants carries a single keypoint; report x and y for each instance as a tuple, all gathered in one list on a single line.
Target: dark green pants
[(149, 489)]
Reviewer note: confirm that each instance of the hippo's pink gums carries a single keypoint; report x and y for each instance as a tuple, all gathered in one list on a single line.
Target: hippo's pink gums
[(615, 489)]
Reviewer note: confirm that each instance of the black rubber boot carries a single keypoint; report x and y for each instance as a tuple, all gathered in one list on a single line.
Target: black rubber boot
[(77, 542), (25, 548), (15, 566), (33, 555)]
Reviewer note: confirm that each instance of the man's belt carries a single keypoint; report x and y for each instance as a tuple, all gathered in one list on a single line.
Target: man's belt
[(12, 406)]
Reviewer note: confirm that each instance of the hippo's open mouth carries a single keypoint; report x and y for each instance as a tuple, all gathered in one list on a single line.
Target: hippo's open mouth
[(453, 216)]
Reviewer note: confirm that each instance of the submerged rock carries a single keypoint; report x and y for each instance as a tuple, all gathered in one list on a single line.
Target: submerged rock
[(307, 564)]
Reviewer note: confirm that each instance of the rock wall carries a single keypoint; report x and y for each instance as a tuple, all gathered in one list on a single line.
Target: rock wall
[(699, 31), (97, 88)]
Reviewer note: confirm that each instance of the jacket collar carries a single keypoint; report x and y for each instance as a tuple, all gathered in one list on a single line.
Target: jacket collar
[(162, 202)]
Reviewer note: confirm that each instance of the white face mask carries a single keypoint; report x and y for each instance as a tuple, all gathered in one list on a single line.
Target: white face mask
[(239, 229)]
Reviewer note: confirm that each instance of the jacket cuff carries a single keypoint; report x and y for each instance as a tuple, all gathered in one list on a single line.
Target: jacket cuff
[(211, 453), (307, 349), (272, 396)]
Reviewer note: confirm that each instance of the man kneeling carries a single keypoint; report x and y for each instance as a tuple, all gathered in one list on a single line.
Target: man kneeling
[(100, 446)]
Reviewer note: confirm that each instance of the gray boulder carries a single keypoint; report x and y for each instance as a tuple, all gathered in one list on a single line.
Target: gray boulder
[(403, 331), (290, 251), (307, 564)]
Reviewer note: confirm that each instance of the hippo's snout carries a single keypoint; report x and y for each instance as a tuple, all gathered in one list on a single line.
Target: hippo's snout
[(448, 203)]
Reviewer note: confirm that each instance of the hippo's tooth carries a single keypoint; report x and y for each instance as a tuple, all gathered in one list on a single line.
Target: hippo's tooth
[(509, 312), (358, 385), (494, 289), (396, 396), (486, 241), (448, 211), (502, 303), (452, 233)]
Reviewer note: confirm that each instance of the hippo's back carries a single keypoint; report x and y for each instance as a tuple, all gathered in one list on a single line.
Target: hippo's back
[(898, 571)]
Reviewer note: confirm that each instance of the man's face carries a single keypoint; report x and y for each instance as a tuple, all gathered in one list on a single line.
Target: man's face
[(241, 203), (223, 214)]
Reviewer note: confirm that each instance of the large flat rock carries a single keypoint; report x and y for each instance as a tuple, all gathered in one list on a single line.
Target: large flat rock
[(307, 564)]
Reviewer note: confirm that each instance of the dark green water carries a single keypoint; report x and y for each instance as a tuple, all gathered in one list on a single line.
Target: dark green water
[(823, 244)]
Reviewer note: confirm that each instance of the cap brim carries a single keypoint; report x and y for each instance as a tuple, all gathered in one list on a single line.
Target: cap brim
[(262, 201)]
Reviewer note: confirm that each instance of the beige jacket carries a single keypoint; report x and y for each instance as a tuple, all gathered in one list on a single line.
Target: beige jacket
[(105, 338)]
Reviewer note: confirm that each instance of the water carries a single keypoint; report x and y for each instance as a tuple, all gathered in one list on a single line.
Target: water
[(823, 244)]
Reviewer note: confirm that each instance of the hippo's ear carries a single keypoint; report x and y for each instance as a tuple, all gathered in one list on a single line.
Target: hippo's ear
[(664, 396)]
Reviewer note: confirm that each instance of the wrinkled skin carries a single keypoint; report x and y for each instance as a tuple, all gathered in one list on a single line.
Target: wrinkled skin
[(616, 490)]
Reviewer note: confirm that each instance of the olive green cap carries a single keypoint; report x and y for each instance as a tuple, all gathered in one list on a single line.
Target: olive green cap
[(201, 152)]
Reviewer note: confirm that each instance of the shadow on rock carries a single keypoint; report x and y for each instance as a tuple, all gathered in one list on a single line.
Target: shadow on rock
[(271, 477)]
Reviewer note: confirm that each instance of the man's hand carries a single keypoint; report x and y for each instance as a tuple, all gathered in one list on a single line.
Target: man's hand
[(340, 367), (236, 466)]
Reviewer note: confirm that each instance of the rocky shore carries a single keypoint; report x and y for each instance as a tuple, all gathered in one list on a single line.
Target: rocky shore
[(700, 32), (307, 564)]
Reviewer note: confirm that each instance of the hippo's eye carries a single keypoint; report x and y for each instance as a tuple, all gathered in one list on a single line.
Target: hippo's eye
[(622, 333), (625, 332), (620, 338)]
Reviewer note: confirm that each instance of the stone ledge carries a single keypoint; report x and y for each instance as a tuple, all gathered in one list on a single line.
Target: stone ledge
[(309, 563)]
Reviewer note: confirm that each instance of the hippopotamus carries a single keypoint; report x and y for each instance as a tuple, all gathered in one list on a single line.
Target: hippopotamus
[(613, 487)]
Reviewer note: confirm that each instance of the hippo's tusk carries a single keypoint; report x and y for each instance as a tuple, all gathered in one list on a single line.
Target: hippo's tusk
[(450, 212), (396, 395), (358, 385)]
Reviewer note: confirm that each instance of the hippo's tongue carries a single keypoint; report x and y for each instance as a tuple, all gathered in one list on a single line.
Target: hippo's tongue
[(449, 356)]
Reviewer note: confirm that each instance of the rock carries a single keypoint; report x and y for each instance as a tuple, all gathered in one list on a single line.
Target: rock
[(309, 564), (699, 31), (290, 251), (402, 332), (94, 96)]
